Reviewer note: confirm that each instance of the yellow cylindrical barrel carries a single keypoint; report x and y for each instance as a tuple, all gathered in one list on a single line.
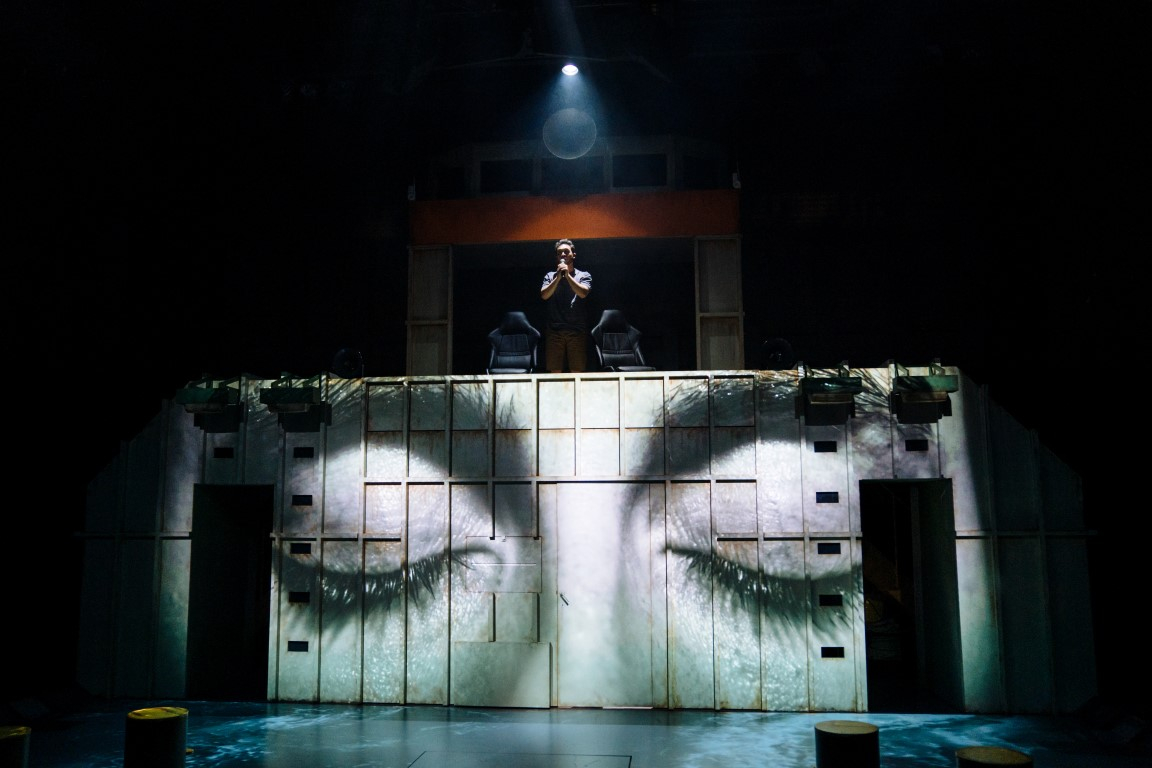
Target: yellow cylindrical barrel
[(156, 737), (847, 744), (14, 741)]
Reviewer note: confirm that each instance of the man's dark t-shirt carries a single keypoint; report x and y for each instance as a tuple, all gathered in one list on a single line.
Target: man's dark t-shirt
[(566, 311)]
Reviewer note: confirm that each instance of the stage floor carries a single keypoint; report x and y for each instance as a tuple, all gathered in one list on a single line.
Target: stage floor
[(92, 735)]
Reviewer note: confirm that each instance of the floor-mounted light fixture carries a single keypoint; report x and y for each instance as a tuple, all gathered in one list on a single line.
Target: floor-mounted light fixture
[(214, 403), (922, 399), (297, 402), (826, 401)]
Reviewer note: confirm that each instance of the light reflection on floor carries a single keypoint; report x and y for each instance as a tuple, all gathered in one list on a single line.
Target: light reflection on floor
[(354, 736)]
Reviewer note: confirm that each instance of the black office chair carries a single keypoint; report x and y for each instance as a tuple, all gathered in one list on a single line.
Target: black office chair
[(514, 343), (618, 344)]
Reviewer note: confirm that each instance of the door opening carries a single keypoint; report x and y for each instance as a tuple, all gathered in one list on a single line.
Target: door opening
[(910, 599), (229, 592)]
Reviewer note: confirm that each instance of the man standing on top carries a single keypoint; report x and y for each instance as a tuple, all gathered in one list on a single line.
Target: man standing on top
[(565, 290)]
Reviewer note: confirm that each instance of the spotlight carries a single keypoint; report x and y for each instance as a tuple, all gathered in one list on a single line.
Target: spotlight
[(208, 396), (569, 133), (827, 401), (570, 69), (215, 405), (297, 403), (922, 399)]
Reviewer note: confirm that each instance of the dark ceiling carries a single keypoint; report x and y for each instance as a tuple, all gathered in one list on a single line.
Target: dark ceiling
[(222, 187), (373, 86), (693, 66)]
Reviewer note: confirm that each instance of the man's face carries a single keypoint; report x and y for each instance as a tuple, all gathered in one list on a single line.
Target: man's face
[(566, 254)]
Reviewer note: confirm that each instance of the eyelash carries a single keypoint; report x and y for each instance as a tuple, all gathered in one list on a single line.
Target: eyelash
[(423, 577), (742, 584)]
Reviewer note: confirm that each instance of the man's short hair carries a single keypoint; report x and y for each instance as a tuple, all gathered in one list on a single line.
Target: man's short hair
[(566, 242)]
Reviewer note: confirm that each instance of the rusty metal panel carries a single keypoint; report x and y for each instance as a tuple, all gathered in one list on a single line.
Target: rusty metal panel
[(979, 625), (170, 664), (273, 643), (733, 401), (643, 452), (183, 464), (1025, 625), (471, 405), (965, 458), (1073, 645), (515, 450), (871, 431), (142, 465), (780, 506), (734, 508), (471, 436), (428, 406), (503, 564), (658, 554), (135, 612), (427, 454), (514, 405), (915, 451), (385, 455), (302, 498), (557, 404), (298, 651), (97, 622), (516, 618), (343, 457), (733, 451), (599, 404), (387, 407), (385, 624), (688, 451), (691, 668), (501, 674), (1015, 482), (384, 509), (598, 453), (514, 510), (643, 402), (832, 632), (550, 603), (340, 628), (471, 456), (825, 491), (262, 449), (473, 613), (687, 403), (472, 511), (934, 598), (605, 579), (736, 619), (557, 453), (428, 593), (784, 617)]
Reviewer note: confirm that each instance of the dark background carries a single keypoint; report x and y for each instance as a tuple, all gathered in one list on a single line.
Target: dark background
[(221, 188)]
